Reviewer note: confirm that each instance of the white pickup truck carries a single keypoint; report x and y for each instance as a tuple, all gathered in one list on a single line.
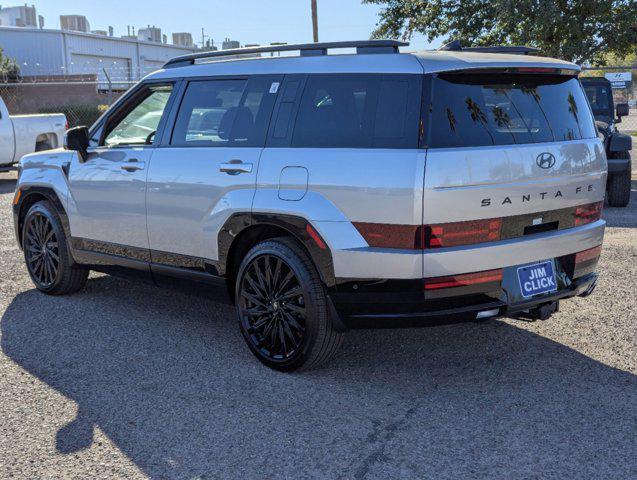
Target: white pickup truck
[(22, 134)]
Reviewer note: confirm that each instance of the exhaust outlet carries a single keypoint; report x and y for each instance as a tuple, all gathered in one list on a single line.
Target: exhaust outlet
[(589, 290)]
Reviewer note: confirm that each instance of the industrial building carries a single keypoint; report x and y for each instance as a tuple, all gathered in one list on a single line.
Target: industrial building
[(78, 50), (44, 52)]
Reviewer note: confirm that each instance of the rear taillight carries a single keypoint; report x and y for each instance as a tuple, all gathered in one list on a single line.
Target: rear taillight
[(537, 70), (489, 276), (586, 255), (586, 261), (588, 213), (385, 235), (462, 233)]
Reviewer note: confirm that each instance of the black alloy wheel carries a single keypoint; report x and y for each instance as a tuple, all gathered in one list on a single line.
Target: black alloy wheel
[(283, 307), (47, 254), (273, 307), (42, 250)]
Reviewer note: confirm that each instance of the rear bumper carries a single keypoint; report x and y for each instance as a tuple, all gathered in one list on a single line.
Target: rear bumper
[(409, 309), (507, 253)]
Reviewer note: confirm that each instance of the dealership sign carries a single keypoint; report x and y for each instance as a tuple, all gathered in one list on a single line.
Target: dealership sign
[(620, 79)]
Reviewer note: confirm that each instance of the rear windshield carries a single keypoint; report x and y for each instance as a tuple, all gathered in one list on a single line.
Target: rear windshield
[(487, 109)]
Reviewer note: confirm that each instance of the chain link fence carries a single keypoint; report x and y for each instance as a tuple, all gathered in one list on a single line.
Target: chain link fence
[(82, 98), (624, 91)]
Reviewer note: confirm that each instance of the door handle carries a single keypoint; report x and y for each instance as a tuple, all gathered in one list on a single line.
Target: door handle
[(133, 165), (235, 167)]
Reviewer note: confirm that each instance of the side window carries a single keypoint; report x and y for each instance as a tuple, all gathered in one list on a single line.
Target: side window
[(359, 111), (217, 113), (138, 122)]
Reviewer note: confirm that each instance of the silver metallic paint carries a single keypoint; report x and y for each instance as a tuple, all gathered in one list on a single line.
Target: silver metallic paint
[(106, 202), (188, 199)]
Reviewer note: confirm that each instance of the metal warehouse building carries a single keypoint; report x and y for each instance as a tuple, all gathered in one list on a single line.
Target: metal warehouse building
[(43, 52)]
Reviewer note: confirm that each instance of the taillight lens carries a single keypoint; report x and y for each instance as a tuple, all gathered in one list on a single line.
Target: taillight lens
[(463, 280), (586, 261), (463, 233), (384, 235), (586, 255), (588, 213)]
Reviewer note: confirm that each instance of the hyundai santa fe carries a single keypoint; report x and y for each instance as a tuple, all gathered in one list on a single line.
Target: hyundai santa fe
[(324, 192)]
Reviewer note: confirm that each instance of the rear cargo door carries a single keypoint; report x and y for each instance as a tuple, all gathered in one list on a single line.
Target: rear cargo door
[(508, 155)]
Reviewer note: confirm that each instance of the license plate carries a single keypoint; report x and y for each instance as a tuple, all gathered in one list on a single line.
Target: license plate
[(538, 278)]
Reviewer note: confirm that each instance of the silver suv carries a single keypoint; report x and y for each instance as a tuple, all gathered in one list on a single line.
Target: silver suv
[(328, 192)]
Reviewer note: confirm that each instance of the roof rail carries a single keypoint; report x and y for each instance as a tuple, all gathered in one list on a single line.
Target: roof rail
[(455, 46), (306, 49)]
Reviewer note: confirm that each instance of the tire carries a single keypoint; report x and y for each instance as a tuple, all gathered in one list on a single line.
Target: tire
[(283, 315), (41, 146), (46, 252), (619, 184)]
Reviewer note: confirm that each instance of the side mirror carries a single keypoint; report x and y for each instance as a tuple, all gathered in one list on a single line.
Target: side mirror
[(622, 109), (77, 139)]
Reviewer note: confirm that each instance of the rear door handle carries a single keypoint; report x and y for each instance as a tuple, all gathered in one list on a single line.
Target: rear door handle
[(235, 167), (133, 165)]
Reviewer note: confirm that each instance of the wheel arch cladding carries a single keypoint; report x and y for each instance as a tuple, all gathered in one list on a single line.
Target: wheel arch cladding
[(30, 195), (242, 231)]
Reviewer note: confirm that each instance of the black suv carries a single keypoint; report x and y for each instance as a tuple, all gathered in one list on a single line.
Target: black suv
[(618, 145)]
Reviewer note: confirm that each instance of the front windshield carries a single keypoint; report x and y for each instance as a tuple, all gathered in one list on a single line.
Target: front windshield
[(600, 98)]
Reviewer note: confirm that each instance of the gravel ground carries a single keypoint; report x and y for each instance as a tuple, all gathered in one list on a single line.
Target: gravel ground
[(130, 381)]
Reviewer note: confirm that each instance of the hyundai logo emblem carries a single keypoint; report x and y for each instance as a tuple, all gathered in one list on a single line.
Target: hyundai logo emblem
[(545, 160)]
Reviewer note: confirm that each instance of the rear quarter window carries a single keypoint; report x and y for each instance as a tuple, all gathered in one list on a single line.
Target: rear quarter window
[(359, 111), (470, 110)]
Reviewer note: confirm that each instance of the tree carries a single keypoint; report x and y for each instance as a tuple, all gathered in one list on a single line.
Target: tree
[(575, 30), (9, 70)]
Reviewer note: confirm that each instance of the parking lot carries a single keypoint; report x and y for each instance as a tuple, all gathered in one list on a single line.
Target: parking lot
[(129, 381)]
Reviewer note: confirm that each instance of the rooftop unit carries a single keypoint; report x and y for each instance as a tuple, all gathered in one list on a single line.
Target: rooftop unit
[(230, 44), (183, 39), (149, 34), (75, 23), (18, 16)]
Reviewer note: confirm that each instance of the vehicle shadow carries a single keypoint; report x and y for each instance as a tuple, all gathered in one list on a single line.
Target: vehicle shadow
[(7, 185), (168, 379)]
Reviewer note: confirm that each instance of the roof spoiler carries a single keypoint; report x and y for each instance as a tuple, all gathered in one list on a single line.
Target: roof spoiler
[(305, 49), (455, 46)]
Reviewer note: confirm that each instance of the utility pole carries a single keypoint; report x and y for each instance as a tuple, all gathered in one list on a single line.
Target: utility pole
[(315, 21)]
